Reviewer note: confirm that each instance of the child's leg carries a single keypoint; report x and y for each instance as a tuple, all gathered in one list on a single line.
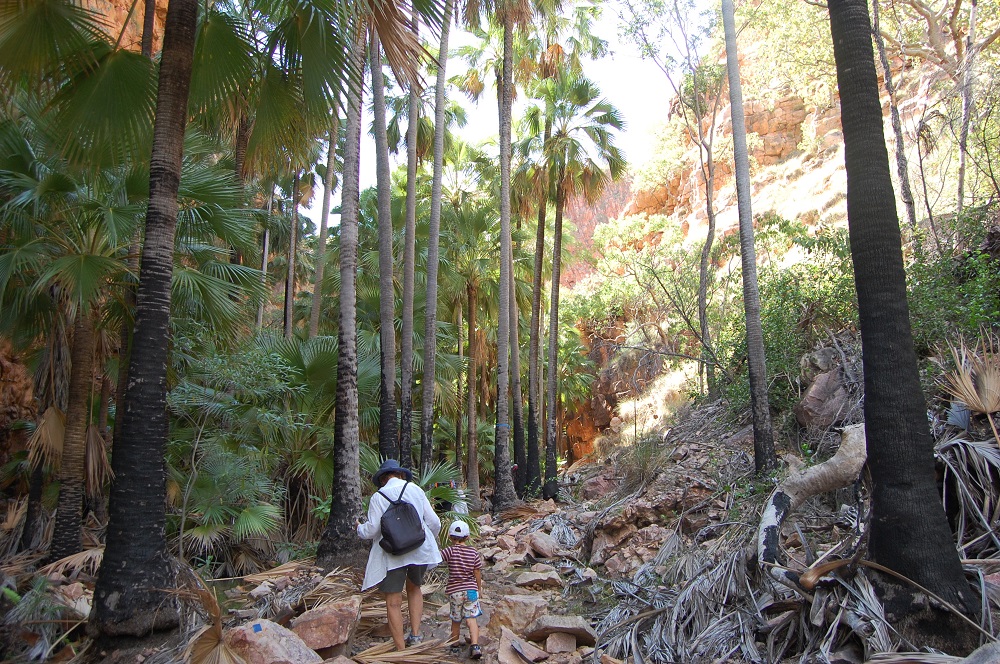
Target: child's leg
[(473, 630), (456, 628)]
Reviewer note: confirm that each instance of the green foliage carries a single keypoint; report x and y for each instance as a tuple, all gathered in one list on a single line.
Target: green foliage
[(806, 287), (955, 290)]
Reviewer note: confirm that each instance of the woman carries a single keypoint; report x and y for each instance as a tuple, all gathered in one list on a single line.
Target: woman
[(390, 572)]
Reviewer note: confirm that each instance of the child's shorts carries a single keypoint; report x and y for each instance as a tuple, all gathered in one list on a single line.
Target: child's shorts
[(464, 604)]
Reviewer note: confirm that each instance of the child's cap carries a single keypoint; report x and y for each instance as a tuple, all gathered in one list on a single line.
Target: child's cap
[(459, 529)]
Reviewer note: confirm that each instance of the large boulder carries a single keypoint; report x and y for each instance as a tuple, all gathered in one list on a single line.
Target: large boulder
[(265, 642), (824, 403), (329, 625), (543, 544), (575, 625), (538, 580), (516, 612), (512, 649)]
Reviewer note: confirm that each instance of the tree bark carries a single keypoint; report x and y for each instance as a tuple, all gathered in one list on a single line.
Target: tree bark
[(967, 81), (340, 544), (324, 220), (67, 538), (132, 593), (909, 530), (265, 249), (551, 487), (430, 304), (293, 245), (763, 433), (388, 434), (517, 406), (409, 263), (503, 493), (472, 448)]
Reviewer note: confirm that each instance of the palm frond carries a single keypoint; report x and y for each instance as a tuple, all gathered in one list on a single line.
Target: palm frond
[(46, 443), (36, 36)]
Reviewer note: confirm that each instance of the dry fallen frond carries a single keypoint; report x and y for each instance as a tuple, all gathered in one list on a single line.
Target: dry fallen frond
[(976, 379), (428, 652), (208, 647), (98, 467), (87, 561), (46, 443), (288, 569)]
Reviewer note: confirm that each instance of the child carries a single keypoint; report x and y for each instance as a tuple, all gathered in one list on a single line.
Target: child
[(465, 583)]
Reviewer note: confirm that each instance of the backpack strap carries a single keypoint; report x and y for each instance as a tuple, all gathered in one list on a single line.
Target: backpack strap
[(391, 501), (400, 499)]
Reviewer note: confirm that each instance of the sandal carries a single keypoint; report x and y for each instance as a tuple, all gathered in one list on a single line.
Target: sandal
[(413, 639), (475, 652)]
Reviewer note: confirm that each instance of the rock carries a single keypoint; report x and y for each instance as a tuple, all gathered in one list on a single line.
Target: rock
[(490, 552), (543, 544), (538, 579), (817, 362), (513, 531), (339, 659), (560, 642), (608, 538), (599, 485), (546, 506), (574, 625), (824, 403), (265, 588), (485, 519), (516, 612), (608, 659), (265, 642), (510, 645), (506, 542), (542, 568), (331, 624), (444, 612)]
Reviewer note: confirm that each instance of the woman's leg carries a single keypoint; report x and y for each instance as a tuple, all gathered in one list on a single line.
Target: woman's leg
[(394, 613), (415, 602)]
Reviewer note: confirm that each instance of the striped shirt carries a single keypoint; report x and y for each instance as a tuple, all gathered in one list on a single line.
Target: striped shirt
[(462, 563)]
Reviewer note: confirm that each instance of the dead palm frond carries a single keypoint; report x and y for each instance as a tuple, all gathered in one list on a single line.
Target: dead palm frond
[(46, 443), (428, 652), (973, 469), (87, 561), (336, 585), (976, 379), (288, 569), (98, 467), (206, 645)]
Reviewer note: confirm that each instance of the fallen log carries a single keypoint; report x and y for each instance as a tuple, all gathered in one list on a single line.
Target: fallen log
[(840, 470)]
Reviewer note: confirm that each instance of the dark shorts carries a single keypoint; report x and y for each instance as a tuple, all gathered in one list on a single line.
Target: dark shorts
[(394, 578)]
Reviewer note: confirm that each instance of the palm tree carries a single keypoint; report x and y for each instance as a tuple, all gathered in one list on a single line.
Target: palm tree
[(430, 303), (388, 444), (329, 180), (763, 434), (339, 542), (580, 157), (293, 244), (909, 531), (135, 566)]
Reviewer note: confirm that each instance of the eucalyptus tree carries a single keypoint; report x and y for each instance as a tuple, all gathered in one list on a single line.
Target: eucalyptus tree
[(909, 530), (763, 433), (387, 432), (581, 158)]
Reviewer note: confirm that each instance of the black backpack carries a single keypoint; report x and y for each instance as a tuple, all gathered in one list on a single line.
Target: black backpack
[(402, 528)]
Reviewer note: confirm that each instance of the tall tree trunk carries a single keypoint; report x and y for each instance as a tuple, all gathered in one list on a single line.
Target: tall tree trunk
[(705, 277), (902, 169), (409, 263), (763, 434), (472, 448), (430, 305), (67, 538), (340, 544), (149, 14), (551, 486), (909, 531), (324, 220), (503, 493), (517, 407), (388, 441), (293, 245), (458, 392), (265, 250), (967, 81), (131, 597), (533, 479)]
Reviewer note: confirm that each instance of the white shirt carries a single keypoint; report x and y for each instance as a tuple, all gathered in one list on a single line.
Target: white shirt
[(380, 562)]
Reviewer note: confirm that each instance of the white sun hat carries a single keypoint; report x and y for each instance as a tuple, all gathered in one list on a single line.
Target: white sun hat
[(459, 529)]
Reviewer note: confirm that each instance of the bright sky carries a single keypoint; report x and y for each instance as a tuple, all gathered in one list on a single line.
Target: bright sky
[(636, 86)]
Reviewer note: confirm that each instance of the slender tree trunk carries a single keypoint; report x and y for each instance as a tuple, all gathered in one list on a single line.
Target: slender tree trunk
[(293, 246), (149, 14), (340, 544), (551, 487), (503, 494), (897, 126), (265, 249), (458, 391), (430, 305), (533, 479), (909, 531), (472, 448), (409, 263), (132, 593), (67, 538), (967, 99), (705, 277), (763, 434), (324, 220), (517, 408), (388, 435)]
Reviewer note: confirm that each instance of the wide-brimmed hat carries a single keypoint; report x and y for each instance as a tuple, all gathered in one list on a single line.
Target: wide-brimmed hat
[(391, 466)]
